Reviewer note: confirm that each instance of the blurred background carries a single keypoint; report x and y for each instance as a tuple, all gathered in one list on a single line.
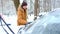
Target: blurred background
[(8, 9)]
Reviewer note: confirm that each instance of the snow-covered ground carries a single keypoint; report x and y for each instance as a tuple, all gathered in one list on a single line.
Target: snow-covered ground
[(10, 20)]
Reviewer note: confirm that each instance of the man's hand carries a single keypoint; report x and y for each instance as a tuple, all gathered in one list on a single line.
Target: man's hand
[(29, 22)]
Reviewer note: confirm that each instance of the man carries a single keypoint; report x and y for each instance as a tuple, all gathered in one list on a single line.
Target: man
[(22, 14)]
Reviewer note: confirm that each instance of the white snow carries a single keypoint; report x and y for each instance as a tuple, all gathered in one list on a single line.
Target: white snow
[(30, 18)]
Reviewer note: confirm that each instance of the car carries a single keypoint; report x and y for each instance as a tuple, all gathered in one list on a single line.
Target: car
[(46, 24)]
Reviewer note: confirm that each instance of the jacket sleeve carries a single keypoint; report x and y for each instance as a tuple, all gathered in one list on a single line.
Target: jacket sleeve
[(20, 19)]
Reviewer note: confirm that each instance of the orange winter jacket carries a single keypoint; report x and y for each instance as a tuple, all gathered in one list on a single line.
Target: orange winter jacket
[(22, 16)]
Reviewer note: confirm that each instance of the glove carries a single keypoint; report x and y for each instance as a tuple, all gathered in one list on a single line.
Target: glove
[(29, 22)]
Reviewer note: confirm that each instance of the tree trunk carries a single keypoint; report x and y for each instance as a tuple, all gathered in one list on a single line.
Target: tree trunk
[(35, 9), (16, 3), (47, 5)]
